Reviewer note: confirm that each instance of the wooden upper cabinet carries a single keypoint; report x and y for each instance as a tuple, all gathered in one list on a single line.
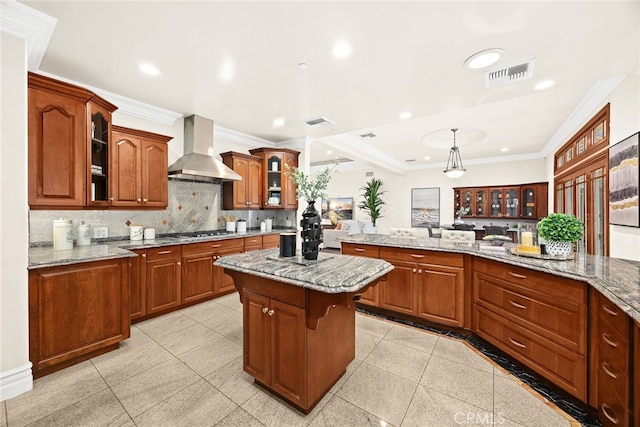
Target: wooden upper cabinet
[(278, 191), (527, 201), (59, 137), (139, 169), (245, 194)]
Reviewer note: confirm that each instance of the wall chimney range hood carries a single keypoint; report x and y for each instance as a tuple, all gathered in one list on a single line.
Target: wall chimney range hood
[(197, 164)]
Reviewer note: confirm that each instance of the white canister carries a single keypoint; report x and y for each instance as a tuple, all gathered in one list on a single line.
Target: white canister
[(241, 227), (62, 234), (231, 226), (135, 232), (269, 223), (84, 234), (263, 226), (149, 233)]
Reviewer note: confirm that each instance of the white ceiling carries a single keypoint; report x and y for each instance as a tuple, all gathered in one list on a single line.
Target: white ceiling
[(405, 56)]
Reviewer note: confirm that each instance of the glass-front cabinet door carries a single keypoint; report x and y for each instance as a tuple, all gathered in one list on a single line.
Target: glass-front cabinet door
[(481, 199), (528, 202), (512, 202), (99, 160), (274, 180), (467, 201), (495, 203)]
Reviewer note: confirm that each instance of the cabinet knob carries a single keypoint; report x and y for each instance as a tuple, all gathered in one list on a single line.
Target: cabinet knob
[(265, 309), (144, 255), (139, 200), (144, 200), (414, 270), (179, 263), (420, 271), (111, 199), (271, 312)]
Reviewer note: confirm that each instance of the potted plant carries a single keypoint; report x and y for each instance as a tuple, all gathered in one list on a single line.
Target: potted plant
[(560, 232), (372, 202)]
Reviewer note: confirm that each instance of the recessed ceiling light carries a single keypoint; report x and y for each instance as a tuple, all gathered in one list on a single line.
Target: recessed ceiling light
[(279, 122), (483, 59), (504, 150), (329, 151), (405, 115), (227, 70), (303, 65), (149, 69), (341, 50), (545, 84), (426, 158)]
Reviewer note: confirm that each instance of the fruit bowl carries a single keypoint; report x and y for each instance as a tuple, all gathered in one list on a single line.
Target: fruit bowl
[(496, 239)]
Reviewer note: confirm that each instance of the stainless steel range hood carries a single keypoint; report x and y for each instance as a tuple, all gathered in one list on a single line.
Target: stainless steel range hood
[(197, 163)]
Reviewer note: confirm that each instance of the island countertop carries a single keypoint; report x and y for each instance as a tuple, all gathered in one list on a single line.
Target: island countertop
[(331, 273), (615, 278)]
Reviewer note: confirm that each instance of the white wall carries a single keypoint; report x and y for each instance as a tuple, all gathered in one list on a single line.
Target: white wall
[(624, 242), (397, 209), (15, 368)]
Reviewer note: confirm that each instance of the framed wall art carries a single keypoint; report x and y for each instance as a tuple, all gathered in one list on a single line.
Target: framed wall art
[(337, 208), (624, 182), (425, 207)]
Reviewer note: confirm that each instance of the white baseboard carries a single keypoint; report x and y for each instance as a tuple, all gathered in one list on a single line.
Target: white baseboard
[(15, 382)]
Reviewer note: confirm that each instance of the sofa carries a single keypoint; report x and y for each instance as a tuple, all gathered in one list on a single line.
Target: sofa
[(346, 228)]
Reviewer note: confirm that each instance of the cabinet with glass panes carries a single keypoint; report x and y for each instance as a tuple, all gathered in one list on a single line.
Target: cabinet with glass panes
[(513, 201)]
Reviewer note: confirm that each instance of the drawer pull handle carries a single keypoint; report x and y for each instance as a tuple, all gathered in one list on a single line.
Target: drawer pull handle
[(606, 413), (608, 310), (605, 368), (606, 339), (271, 312), (358, 249), (517, 276), (265, 309), (517, 305), (164, 252), (417, 256), (216, 245), (516, 343)]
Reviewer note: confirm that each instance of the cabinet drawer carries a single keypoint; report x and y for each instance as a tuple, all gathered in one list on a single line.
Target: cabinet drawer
[(612, 319), (252, 243), (567, 369), (212, 246), (561, 321), (565, 289), (614, 367), (428, 257), (360, 250), (271, 241), (612, 411), (165, 252)]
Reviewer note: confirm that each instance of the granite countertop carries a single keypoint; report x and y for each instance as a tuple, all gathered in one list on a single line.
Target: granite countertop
[(617, 279), (331, 273), (46, 256)]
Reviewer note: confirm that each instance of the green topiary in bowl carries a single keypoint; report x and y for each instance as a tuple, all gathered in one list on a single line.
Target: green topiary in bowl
[(559, 227)]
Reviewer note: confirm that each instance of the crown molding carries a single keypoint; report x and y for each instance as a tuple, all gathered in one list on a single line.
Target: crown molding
[(240, 138), (28, 24), (295, 143)]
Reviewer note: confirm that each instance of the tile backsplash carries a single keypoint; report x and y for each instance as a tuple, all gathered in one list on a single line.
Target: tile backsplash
[(193, 206)]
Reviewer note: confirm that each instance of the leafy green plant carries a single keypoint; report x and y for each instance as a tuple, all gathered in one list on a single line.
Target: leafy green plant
[(310, 189), (372, 202), (559, 227)]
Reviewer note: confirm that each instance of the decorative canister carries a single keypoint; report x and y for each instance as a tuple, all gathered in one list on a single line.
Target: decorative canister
[(84, 234), (135, 232), (241, 226), (231, 226), (268, 224), (287, 244), (149, 233), (263, 227), (62, 234)]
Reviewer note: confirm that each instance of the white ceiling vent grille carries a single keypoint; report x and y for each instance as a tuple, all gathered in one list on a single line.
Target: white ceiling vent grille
[(511, 74), (319, 122)]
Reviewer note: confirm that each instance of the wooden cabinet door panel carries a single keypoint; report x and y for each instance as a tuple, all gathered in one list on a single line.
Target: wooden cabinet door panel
[(398, 292), (441, 294), (290, 198), (288, 350), (256, 336), (57, 139), (154, 174), (126, 187), (254, 184), (240, 200), (138, 284), (163, 285), (197, 277)]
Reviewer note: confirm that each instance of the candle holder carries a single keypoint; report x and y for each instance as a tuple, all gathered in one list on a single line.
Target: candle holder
[(528, 239)]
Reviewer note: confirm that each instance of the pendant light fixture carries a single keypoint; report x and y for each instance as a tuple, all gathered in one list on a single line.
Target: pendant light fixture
[(454, 164)]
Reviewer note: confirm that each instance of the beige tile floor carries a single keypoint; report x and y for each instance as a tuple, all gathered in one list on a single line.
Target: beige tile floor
[(185, 369)]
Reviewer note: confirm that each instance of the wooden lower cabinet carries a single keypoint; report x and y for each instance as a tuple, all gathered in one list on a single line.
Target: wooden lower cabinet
[(270, 241), (163, 274), (371, 295), (290, 335), (538, 318), (138, 284), (398, 292), (441, 293), (77, 312), (253, 243)]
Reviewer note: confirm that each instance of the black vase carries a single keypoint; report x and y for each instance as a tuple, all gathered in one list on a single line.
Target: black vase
[(311, 233)]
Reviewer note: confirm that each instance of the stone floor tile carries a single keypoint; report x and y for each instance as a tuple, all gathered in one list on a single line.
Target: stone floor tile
[(414, 338), (141, 392), (181, 341), (231, 301), (227, 324), (273, 411), (399, 359), (365, 343), (460, 381), (351, 368), (239, 417), (379, 392), (199, 404), (166, 324), (126, 362), (372, 326), (231, 380), (339, 412), (461, 352), (101, 409), (514, 402), (3, 414), (430, 408), (54, 392), (205, 310), (211, 356)]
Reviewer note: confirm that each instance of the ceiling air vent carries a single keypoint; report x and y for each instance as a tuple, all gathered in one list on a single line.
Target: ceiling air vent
[(319, 122), (511, 74), (368, 174), (368, 135)]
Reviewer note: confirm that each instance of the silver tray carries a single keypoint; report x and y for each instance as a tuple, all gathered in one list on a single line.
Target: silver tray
[(571, 256)]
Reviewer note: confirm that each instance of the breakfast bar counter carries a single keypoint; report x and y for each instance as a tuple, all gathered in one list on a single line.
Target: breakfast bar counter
[(299, 318)]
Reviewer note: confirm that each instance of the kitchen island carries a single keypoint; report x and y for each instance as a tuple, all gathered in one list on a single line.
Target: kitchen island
[(299, 318)]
